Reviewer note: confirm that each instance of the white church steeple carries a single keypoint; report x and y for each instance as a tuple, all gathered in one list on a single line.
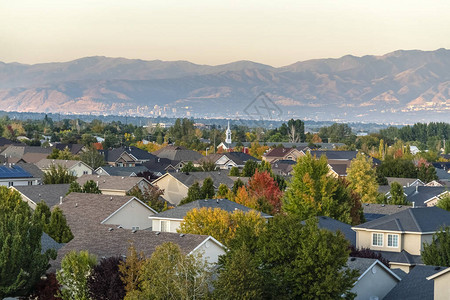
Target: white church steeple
[(228, 134)]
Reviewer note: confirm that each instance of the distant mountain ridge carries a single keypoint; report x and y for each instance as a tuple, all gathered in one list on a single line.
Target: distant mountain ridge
[(410, 83)]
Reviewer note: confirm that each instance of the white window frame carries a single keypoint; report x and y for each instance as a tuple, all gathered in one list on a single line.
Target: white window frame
[(382, 239), (167, 229), (392, 235), (134, 227)]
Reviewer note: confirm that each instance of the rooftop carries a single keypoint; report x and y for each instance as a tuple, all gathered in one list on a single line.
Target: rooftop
[(49, 193), (336, 155), (218, 177), (47, 163), (116, 183), (335, 225), (120, 171), (178, 153), (13, 171), (420, 194), (374, 211), (280, 152)]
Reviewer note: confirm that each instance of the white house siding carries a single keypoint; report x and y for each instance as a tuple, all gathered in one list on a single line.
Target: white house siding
[(173, 225), (132, 215), (80, 169), (174, 191), (18, 182), (210, 251), (373, 285)]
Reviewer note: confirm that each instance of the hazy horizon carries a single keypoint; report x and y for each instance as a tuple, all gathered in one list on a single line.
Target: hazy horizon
[(205, 32)]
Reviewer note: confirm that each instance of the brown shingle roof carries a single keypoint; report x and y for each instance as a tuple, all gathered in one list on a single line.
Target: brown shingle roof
[(116, 183), (279, 152), (46, 163), (33, 157)]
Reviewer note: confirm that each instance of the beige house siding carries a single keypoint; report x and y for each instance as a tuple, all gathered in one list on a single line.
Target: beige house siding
[(174, 190), (442, 287), (377, 282), (80, 169), (292, 155), (133, 214), (364, 240), (173, 225), (403, 267)]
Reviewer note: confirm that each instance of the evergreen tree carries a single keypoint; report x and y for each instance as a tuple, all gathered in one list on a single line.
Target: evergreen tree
[(236, 185), (208, 191), (249, 169), (194, 193), (58, 175), (74, 187), (130, 270), (397, 196), (92, 158), (426, 172), (444, 203), (91, 187), (234, 172), (57, 228), (437, 253), (42, 211), (74, 273), (362, 178), (222, 191), (21, 260)]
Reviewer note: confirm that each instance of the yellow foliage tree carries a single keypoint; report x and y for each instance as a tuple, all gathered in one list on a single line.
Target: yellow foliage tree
[(362, 178)]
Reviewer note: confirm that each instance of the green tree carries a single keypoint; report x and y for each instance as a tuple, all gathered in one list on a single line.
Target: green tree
[(74, 273), (426, 172), (74, 187), (249, 169), (170, 274), (57, 227), (437, 253), (208, 166), (91, 187), (130, 270), (444, 203), (194, 193), (42, 211), (208, 191), (397, 195), (362, 178), (312, 192), (92, 158), (236, 185), (58, 174), (189, 167), (222, 191), (234, 172), (21, 260), (150, 196)]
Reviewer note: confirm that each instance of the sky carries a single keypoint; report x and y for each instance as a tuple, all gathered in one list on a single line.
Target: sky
[(215, 32)]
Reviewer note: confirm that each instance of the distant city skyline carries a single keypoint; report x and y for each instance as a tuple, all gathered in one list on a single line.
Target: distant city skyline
[(276, 33)]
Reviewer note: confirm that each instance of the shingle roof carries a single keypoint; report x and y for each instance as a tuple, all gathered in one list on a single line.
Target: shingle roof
[(48, 243), (341, 155), (374, 211), (420, 219), (47, 163), (120, 171), (113, 154), (340, 168), (159, 165), (335, 225), (13, 171), (280, 152), (218, 177), (118, 183), (363, 264), (404, 181), (180, 212), (4, 141), (49, 193), (443, 174), (19, 151), (283, 167), (73, 148), (238, 157), (403, 257), (32, 169), (178, 153), (33, 157), (420, 194), (415, 285)]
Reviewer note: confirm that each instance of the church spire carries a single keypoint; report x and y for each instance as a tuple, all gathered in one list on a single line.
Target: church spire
[(228, 134)]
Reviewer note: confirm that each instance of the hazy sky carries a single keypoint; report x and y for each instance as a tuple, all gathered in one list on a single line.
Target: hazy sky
[(274, 32)]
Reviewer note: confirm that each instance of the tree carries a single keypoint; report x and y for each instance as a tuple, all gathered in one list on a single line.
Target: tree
[(42, 211), (249, 169), (444, 202), (426, 172), (58, 174), (92, 158), (234, 172), (21, 260), (208, 166), (150, 196), (397, 196), (218, 223), (236, 185), (397, 167), (312, 192), (368, 253), (130, 269), (264, 188), (189, 167), (437, 253), (169, 274), (105, 282), (57, 228), (91, 187), (46, 289), (194, 193), (208, 191), (74, 187), (223, 191), (362, 178), (73, 276)]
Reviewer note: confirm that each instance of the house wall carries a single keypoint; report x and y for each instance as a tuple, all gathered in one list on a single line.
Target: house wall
[(373, 285), (18, 181), (173, 225), (442, 287), (113, 192), (80, 169), (131, 215), (174, 191), (364, 240), (210, 251), (404, 268)]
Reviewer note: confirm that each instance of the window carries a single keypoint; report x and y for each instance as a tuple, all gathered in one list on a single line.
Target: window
[(393, 240), (134, 227), (85, 172), (377, 239), (164, 226), (11, 183)]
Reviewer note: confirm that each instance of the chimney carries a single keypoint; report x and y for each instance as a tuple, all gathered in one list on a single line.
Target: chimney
[(97, 183), (413, 204), (60, 200), (417, 188)]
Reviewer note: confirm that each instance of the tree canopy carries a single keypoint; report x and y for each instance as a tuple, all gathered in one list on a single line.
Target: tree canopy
[(437, 253)]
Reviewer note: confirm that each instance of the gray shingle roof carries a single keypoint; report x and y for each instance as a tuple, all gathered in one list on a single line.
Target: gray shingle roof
[(48, 243), (335, 225), (420, 219), (360, 264), (49, 193), (119, 183), (178, 153), (180, 212), (374, 211), (403, 181), (113, 154), (415, 285), (120, 171), (32, 169), (403, 257), (341, 155), (218, 177), (238, 157), (420, 194), (442, 174), (46, 163)]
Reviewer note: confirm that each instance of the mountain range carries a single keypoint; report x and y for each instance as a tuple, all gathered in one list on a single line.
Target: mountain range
[(401, 86)]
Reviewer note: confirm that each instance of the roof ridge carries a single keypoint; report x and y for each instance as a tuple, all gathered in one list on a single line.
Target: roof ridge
[(398, 224), (415, 220)]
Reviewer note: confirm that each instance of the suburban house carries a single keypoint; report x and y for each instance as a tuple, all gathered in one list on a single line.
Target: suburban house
[(176, 184), (283, 167), (301, 146), (126, 211), (399, 237), (227, 160), (52, 194), (170, 220), (120, 171), (338, 168), (335, 225), (160, 166), (14, 175), (424, 195), (374, 211), (415, 286), (277, 154), (441, 284), (405, 182), (33, 170), (29, 157), (178, 155), (75, 167), (375, 280), (75, 149), (126, 156), (116, 185), (18, 151)]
